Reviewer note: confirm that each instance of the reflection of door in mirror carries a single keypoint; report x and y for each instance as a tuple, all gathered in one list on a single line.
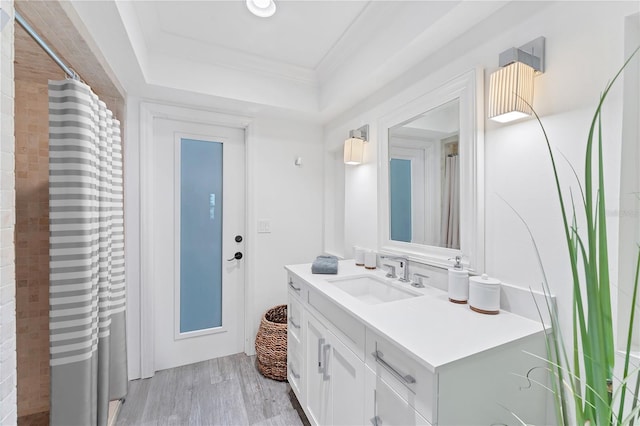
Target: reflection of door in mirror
[(412, 191), (424, 183)]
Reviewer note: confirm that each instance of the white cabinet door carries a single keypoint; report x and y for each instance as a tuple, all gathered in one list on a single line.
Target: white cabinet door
[(384, 407), (334, 378), (346, 373), (318, 386)]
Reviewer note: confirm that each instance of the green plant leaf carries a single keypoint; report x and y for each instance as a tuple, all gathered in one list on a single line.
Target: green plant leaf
[(593, 359)]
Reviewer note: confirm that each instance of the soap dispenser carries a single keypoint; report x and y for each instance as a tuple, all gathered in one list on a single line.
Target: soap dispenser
[(458, 288)]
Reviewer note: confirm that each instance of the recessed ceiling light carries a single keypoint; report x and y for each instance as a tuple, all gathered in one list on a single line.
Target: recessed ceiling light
[(262, 8)]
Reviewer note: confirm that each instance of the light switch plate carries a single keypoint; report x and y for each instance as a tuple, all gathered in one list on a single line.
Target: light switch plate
[(264, 226)]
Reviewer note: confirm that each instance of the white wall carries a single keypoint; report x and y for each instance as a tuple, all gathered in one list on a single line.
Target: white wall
[(8, 378), (289, 196), (630, 182), (584, 42)]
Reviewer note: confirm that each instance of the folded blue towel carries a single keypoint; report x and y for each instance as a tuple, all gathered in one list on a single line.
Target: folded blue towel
[(325, 265)]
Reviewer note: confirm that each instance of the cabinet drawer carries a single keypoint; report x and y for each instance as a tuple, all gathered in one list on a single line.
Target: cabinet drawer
[(385, 407), (405, 375), (294, 317), (350, 327)]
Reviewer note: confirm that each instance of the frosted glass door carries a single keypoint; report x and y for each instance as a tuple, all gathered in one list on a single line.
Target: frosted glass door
[(200, 235), (197, 199)]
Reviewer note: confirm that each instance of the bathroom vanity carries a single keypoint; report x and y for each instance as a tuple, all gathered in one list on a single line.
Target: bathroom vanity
[(365, 349)]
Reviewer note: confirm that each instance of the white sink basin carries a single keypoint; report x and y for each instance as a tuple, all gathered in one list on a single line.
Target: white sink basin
[(371, 290)]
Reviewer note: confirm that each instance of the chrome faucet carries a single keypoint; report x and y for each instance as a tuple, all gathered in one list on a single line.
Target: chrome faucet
[(404, 264)]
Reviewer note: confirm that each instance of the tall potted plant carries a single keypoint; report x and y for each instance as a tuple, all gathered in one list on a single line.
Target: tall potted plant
[(584, 388)]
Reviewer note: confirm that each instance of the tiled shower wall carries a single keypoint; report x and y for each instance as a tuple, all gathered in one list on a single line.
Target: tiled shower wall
[(7, 220), (32, 245)]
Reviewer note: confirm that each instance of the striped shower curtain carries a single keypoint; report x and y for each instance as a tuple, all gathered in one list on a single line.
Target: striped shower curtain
[(87, 286)]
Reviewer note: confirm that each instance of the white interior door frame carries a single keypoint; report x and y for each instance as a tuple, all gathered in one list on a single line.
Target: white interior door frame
[(150, 111)]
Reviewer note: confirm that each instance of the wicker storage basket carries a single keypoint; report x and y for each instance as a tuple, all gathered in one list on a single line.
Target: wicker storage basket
[(271, 343)]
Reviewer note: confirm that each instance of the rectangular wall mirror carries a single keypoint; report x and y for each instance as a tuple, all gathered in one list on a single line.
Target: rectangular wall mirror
[(431, 178), (424, 178)]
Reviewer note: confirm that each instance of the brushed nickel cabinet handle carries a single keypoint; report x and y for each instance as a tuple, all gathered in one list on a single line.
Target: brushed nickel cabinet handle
[(325, 374), (293, 323), (294, 287), (407, 379), (293, 372), (375, 420), (320, 343)]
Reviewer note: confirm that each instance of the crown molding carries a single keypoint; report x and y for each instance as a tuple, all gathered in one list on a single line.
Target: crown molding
[(371, 21), (185, 48)]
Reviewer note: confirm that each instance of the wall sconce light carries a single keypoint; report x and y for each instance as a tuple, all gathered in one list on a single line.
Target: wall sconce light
[(354, 146), (511, 87)]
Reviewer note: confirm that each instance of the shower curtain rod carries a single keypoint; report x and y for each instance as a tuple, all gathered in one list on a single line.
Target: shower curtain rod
[(71, 73)]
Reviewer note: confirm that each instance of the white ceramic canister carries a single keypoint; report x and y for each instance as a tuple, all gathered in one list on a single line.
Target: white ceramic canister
[(484, 295), (370, 260), (458, 286), (359, 255)]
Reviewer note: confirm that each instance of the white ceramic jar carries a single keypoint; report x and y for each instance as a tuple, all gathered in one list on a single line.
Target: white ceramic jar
[(484, 295), (370, 260), (359, 255)]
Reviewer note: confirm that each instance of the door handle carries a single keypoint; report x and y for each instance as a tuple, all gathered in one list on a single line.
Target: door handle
[(236, 256)]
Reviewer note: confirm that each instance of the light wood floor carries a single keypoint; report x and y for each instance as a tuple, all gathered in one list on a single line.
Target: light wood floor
[(223, 391)]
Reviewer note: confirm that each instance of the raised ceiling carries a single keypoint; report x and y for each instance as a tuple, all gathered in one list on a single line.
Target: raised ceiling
[(312, 57), (299, 34)]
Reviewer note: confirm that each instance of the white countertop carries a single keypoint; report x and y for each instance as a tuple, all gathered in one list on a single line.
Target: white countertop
[(436, 331)]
